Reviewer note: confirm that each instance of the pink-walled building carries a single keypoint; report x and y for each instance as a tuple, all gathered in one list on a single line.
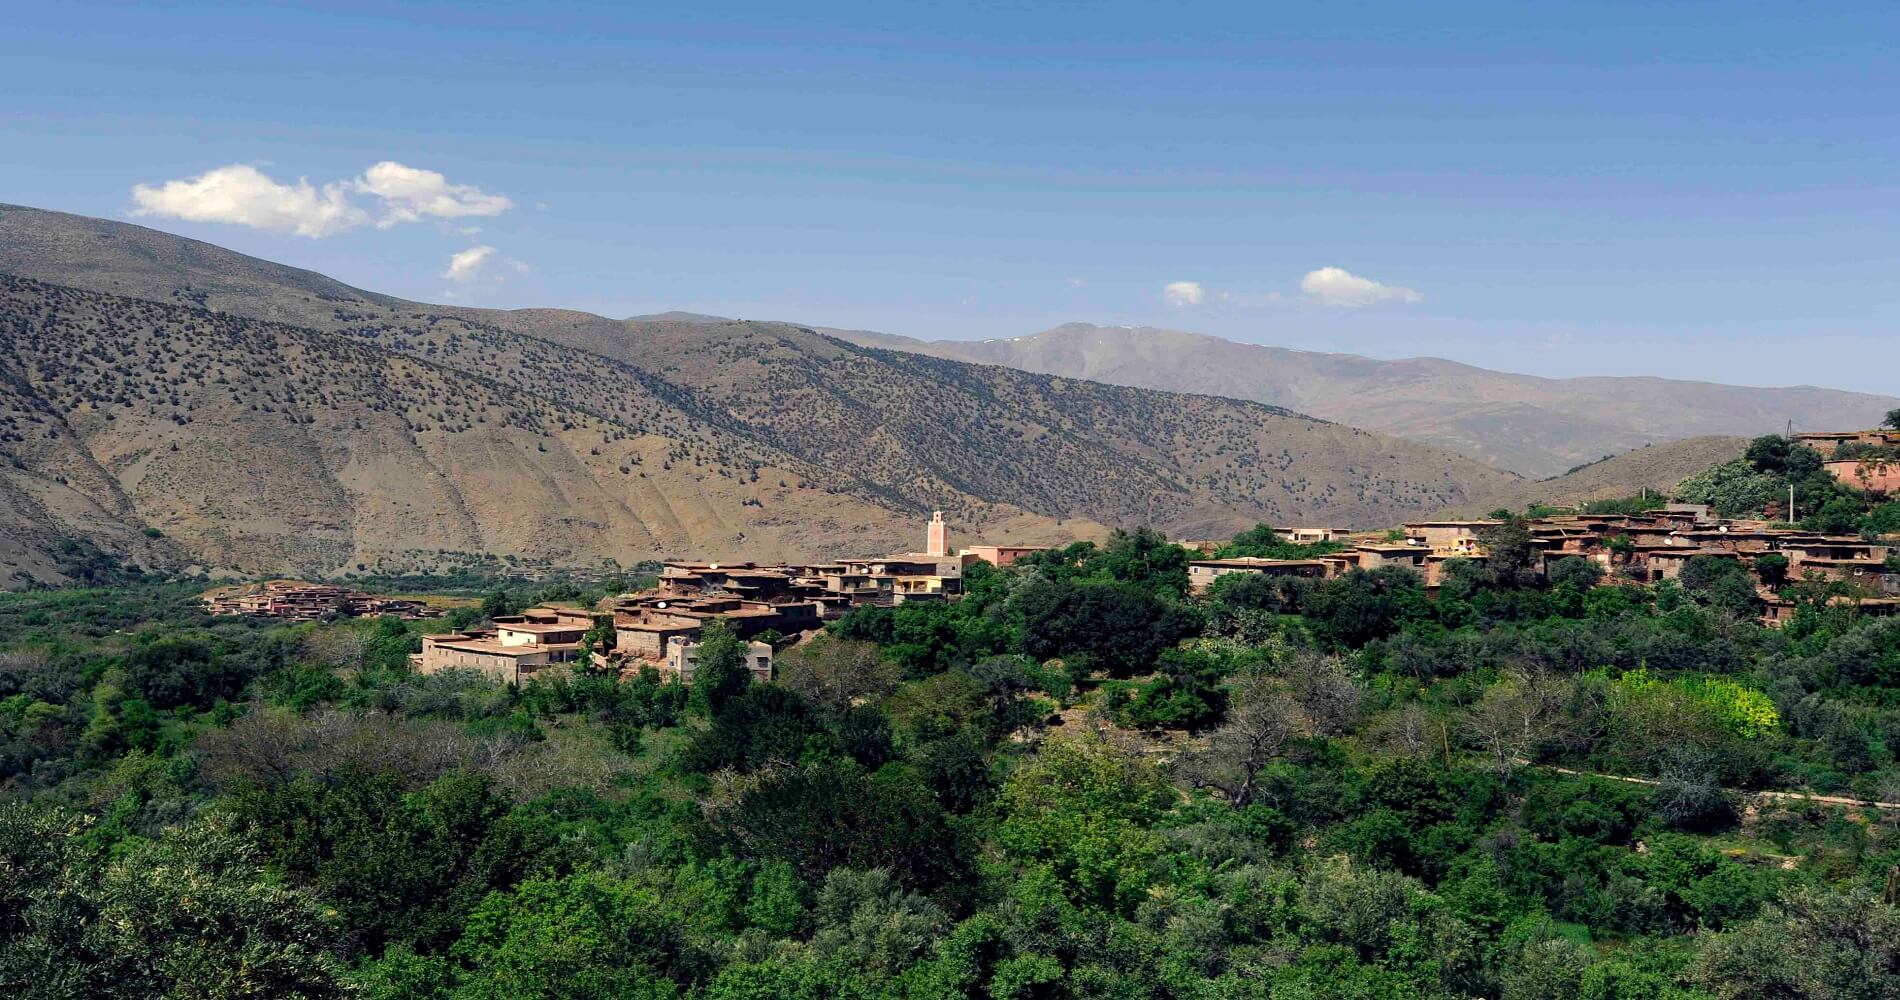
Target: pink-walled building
[(1874, 475)]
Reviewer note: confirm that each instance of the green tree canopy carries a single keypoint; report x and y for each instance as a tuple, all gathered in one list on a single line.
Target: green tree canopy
[(720, 673)]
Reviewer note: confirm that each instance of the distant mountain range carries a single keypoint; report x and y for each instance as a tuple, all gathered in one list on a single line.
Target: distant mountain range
[(174, 403), (1537, 427)]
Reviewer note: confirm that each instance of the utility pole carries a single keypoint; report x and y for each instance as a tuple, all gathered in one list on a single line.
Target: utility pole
[(1790, 503)]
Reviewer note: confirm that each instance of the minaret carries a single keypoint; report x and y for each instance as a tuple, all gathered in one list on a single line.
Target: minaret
[(937, 539)]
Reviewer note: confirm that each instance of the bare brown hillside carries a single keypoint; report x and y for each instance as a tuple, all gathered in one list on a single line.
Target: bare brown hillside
[(1657, 468), (272, 420), (264, 447)]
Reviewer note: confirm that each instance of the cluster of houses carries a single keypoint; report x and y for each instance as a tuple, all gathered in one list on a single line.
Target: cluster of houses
[(295, 601), (1631, 548), (1877, 472), (761, 603), (767, 604)]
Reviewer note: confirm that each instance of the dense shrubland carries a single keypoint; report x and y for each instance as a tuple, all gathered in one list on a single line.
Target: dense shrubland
[(1080, 781)]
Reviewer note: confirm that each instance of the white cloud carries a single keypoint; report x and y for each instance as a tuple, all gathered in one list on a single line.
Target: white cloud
[(410, 194), (1183, 293), (245, 196), (1336, 286), (467, 265)]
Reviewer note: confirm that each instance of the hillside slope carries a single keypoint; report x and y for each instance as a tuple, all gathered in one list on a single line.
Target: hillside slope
[(1534, 426), (1657, 468), (271, 420), (269, 448)]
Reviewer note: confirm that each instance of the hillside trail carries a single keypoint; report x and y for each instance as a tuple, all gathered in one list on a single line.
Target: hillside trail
[(1769, 795)]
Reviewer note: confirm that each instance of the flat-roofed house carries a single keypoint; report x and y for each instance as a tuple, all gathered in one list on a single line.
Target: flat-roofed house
[(1827, 442), (748, 580), (1875, 475), (644, 632), (644, 625), (682, 659), (1438, 565), (1373, 555), (911, 576), (1450, 537), (1312, 536), (298, 601), (1779, 611), (1667, 563), (1203, 572), (1000, 556), (517, 647)]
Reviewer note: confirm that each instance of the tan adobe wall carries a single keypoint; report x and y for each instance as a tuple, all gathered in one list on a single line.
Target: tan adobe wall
[(436, 659), (640, 642)]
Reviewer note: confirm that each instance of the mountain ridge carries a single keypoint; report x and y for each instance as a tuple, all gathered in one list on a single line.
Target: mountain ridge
[(1534, 425), (557, 437)]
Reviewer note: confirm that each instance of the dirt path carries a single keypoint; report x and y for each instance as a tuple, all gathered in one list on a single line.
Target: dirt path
[(1772, 796)]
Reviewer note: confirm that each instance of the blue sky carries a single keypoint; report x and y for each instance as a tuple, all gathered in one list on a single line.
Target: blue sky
[(1693, 190)]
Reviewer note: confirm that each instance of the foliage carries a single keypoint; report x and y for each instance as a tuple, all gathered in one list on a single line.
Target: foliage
[(1744, 713), (192, 914), (1078, 781), (1262, 542), (1733, 489), (720, 673)]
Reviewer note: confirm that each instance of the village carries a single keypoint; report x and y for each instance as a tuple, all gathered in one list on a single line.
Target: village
[(768, 606), (294, 600)]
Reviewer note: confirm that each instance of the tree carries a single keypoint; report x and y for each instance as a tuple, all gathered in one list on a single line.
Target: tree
[(1782, 457), (584, 937), (1772, 568), (719, 673), (338, 647), (832, 814), (192, 914), (500, 603), (766, 725), (1119, 626), (400, 866), (1237, 592), (1576, 571), (867, 919), (1517, 714), (1891, 420), (1732, 488), (1145, 558), (1330, 697), (192, 669), (1363, 605), (835, 673), (1689, 795), (1819, 944), (1185, 693), (1837, 516), (1262, 724), (1510, 554), (1721, 583), (1084, 807), (1262, 542)]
